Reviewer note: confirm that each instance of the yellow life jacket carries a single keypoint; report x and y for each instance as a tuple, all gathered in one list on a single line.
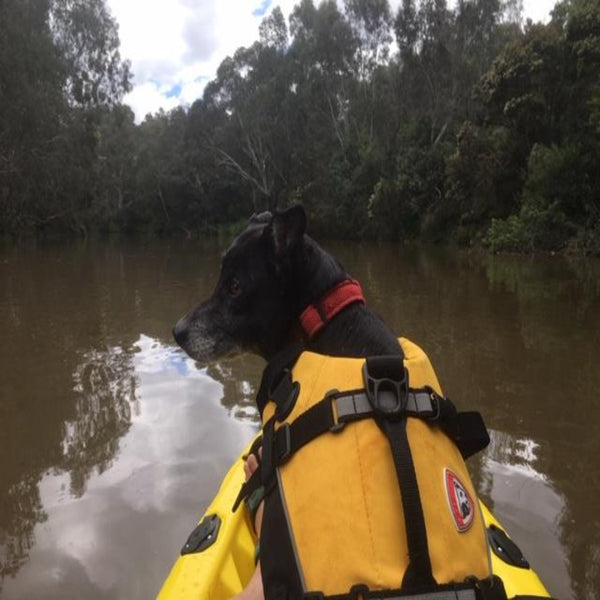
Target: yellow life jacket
[(335, 510)]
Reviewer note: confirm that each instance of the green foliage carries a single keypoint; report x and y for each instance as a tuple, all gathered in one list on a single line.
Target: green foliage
[(534, 229), (508, 235), (543, 89), (560, 198), (55, 81), (477, 129)]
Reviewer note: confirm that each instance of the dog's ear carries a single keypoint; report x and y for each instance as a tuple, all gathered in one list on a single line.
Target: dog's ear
[(288, 228)]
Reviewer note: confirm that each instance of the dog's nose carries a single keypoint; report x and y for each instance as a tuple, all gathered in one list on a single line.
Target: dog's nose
[(180, 332)]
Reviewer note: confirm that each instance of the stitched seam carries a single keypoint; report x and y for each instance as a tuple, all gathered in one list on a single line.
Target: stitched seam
[(308, 394), (364, 492)]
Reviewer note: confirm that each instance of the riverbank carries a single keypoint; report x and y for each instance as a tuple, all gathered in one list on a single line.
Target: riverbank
[(510, 237)]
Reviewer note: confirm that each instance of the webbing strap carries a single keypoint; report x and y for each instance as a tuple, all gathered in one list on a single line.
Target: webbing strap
[(418, 573), (353, 405), (386, 385), (340, 408), (473, 589), (331, 415), (283, 360), (248, 488), (466, 594), (466, 429)]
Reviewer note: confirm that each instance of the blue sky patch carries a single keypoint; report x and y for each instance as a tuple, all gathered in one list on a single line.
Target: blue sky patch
[(174, 91), (262, 9)]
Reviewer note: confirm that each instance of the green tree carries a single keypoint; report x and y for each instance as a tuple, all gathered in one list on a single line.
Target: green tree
[(116, 162), (371, 23), (252, 140), (273, 30), (87, 38), (31, 105), (543, 90), (59, 62)]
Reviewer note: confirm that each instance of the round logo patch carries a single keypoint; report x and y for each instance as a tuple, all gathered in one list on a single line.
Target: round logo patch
[(459, 500)]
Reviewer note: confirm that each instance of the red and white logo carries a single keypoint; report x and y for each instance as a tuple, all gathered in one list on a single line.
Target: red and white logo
[(460, 502)]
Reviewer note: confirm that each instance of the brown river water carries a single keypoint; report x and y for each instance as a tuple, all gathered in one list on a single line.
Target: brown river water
[(112, 442)]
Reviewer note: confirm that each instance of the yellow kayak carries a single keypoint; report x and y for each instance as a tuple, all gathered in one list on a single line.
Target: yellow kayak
[(217, 561)]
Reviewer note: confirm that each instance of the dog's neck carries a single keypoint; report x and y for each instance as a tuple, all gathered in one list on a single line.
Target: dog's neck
[(316, 316), (353, 330), (356, 332), (312, 273)]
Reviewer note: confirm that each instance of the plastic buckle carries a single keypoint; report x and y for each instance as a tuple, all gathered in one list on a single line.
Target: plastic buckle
[(284, 392), (332, 396), (337, 427), (287, 438), (387, 396), (436, 403)]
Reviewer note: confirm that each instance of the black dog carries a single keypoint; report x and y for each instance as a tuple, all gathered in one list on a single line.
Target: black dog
[(277, 287), (279, 291), (271, 273)]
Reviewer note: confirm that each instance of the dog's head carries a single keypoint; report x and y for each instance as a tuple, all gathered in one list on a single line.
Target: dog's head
[(252, 306)]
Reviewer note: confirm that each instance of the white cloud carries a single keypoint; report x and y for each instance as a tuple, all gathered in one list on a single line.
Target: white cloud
[(177, 45), (538, 10), (149, 98), (191, 91), (199, 30)]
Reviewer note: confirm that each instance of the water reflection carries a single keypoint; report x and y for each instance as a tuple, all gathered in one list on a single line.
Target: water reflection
[(145, 449), (21, 501), (240, 377), (105, 387), (114, 441), (559, 316), (519, 455), (104, 384), (528, 504)]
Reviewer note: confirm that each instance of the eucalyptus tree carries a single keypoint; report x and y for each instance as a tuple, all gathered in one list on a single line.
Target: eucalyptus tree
[(252, 137), (220, 195), (273, 30), (59, 61), (371, 23), (86, 35), (423, 33), (31, 106), (323, 56), (373, 107), (116, 164)]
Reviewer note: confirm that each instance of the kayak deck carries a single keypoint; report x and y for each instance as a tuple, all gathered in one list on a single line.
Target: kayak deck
[(225, 567)]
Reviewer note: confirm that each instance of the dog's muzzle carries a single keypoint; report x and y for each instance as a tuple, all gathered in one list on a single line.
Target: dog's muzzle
[(181, 332)]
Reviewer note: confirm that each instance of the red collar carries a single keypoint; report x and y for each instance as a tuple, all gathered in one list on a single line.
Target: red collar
[(316, 316)]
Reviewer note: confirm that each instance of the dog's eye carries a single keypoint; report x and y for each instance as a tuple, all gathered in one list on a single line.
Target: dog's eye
[(234, 288)]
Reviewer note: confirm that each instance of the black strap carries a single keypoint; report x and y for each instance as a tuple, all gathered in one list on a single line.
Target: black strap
[(469, 432), (491, 588), (466, 429), (419, 573), (283, 360), (386, 386), (247, 489), (254, 482), (254, 448), (340, 408)]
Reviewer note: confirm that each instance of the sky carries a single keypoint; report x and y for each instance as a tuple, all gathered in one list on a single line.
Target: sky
[(176, 46)]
